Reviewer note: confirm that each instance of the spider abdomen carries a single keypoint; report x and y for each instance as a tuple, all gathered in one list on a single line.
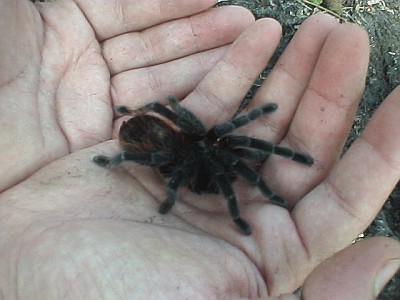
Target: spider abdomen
[(146, 133)]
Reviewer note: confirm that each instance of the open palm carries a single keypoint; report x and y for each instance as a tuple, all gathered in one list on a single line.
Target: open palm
[(75, 230)]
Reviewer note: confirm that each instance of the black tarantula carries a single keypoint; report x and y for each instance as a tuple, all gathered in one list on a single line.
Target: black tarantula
[(188, 154)]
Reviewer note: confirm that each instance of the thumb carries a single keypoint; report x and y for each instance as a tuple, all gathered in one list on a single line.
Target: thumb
[(360, 271)]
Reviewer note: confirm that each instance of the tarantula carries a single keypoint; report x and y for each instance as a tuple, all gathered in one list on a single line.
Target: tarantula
[(176, 143)]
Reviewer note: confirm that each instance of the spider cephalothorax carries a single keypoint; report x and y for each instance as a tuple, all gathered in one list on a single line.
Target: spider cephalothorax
[(176, 142)]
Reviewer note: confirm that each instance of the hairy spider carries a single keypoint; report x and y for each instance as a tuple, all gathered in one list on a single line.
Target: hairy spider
[(176, 142)]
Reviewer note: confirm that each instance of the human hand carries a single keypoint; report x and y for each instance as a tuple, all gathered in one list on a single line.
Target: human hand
[(77, 230), (57, 59)]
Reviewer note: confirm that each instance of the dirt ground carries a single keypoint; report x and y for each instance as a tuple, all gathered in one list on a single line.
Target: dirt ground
[(381, 18)]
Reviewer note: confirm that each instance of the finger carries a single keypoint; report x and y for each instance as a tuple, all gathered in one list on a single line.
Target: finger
[(287, 81), (324, 115), (219, 94), (138, 87), (176, 39), (344, 204), (112, 18), (358, 272)]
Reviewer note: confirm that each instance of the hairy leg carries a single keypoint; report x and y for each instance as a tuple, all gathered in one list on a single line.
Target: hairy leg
[(245, 141), (229, 126), (153, 159), (251, 176)]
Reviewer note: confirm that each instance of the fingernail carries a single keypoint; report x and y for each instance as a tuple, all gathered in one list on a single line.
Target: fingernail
[(382, 277)]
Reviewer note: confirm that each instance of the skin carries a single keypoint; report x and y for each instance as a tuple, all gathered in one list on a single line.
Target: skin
[(77, 231)]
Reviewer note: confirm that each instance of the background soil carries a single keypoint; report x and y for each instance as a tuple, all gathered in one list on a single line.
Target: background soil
[(382, 21)]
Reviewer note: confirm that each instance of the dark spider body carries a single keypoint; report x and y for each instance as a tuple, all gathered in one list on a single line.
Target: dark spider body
[(179, 146)]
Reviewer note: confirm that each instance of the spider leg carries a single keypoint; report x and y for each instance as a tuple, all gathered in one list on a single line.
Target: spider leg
[(153, 159), (123, 110), (245, 141), (229, 126), (227, 190), (172, 187), (186, 120), (251, 176), (250, 154), (179, 177)]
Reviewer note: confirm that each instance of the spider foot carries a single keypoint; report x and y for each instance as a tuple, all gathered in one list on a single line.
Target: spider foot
[(123, 110), (165, 207), (243, 226), (278, 200), (303, 158), (102, 161), (105, 161)]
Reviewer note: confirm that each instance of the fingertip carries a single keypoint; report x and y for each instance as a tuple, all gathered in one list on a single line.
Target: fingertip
[(342, 65), (224, 87), (320, 19), (384, 274), (353, 36), (381, 134), (271, 25), (240, 13)]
